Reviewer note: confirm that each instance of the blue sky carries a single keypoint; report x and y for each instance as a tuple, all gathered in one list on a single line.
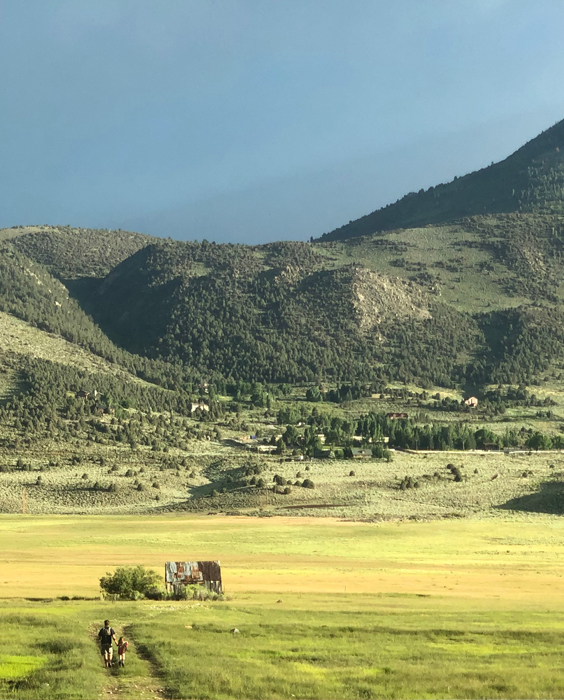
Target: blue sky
[(255, 120)]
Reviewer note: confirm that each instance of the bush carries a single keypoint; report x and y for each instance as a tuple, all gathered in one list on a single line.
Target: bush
[(408, 482), (130, 582), (308, 484), (455, 471), (156, 593)]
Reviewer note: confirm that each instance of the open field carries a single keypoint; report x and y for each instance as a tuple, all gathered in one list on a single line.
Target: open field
[(325, 609), (209, 476), (517, 560)]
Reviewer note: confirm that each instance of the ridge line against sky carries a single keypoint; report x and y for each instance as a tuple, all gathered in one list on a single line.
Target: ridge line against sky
[(249, 122)]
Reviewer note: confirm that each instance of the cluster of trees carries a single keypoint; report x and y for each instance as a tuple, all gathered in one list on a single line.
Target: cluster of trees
[(49, 407), (454, 436), (374, 427)]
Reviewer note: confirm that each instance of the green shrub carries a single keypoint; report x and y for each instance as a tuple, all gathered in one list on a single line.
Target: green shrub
[(156, 593), (130, 582), (308, 484)]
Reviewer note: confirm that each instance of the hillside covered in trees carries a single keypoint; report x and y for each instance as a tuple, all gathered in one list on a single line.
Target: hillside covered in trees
[(472, 296)]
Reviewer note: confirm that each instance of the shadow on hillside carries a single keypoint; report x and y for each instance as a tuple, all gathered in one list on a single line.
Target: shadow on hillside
[(83, 288), (548, 499)]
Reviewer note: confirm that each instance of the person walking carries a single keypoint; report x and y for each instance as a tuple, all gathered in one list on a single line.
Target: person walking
[(106, 636), (122, 648)]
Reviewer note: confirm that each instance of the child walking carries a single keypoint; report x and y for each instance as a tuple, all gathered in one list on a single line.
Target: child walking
[(122, 648)]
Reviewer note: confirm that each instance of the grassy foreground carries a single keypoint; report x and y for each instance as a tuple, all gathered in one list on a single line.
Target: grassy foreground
[(325, 609)]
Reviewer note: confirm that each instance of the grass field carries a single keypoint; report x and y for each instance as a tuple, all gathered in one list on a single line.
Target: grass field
[(325, 609)]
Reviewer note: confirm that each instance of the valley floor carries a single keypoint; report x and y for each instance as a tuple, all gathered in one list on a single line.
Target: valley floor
[(325, 608)]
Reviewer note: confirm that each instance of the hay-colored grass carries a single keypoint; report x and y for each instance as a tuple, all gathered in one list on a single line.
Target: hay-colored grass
[(325, 608), (516, 560)]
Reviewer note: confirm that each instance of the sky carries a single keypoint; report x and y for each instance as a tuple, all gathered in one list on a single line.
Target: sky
[(257, 120)]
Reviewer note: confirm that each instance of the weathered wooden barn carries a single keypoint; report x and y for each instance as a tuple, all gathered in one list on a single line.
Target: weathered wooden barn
[(190, 573)]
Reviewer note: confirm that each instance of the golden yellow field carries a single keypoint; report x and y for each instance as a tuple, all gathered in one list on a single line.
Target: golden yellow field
[(519, 560)]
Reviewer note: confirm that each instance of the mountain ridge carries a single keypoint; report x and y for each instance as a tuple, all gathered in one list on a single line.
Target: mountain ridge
[(529, 180)]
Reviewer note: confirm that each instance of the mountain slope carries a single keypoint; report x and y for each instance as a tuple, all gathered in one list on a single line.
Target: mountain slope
[(275, 313), (30, 293), (69, 253), (529, 180)]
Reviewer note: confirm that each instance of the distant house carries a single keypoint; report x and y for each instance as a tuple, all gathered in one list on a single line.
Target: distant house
[(396, 416), (472, 402), (360, 453), (82, 394), (201, 405), (491, 446), (267, 449)]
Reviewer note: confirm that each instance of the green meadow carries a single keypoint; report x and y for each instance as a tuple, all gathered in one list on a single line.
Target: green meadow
[(324, 608)]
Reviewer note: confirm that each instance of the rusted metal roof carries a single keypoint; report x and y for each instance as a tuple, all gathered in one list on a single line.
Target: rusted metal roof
[(187, 573)]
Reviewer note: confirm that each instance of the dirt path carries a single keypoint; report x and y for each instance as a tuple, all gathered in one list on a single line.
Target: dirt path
[(138, 680)]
